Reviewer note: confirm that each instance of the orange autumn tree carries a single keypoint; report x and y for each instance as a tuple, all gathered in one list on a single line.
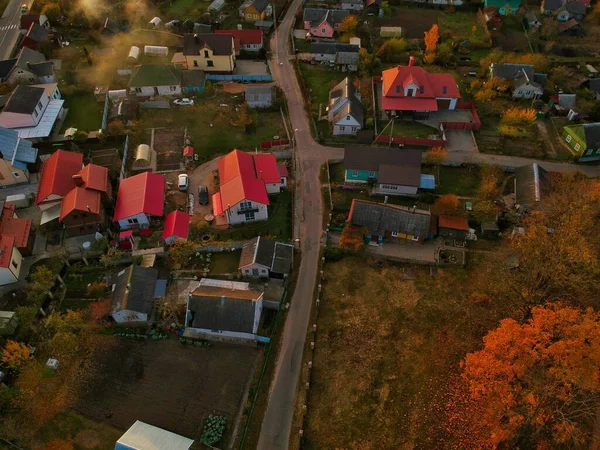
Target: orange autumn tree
[(446, 205), (538, 382), (14, 355), (352, 237), (59, 444), (431, 41), (436, 156)]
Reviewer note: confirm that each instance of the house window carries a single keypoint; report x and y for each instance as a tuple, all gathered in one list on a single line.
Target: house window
[(397, 89), (206, 55), (342, 128), (195, 63), (577, 146), (40, 106), (16, 175), (132, 221), (173, 88), (138, 90), (256, 16), (444, 90), (354, 128), (371, 174), (249, 216), (415, 238), (322, 30), (32, 80), (421, 89), (411, 92), (14, 264), (35, 113), (394, 234), (354, 173), (209, 64), (245, 205), (568, 139)]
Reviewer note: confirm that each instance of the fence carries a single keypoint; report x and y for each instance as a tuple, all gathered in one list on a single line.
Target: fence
[(241, 78), (124, 163), (278, 143), (105, 113), (402, 140), (474, 125)]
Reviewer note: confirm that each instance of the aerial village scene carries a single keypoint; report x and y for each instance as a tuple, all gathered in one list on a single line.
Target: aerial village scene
[(299, 224)]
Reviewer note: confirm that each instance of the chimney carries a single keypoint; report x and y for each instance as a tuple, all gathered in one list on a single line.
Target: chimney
[(239, 26), (77, 180), (385, 199), (411, 61)]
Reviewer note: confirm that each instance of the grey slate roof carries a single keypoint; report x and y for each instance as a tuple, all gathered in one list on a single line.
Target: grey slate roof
[(24, 99), (353, 108), (400, 166), (512, 71), (595, 84), (316, 16), (27, 56), (277, 256), (42, 69), (260, 5), (19, 152), (37, 32), (540, 78), (576, 8), (134, 289), (332, 48), (220, 44), (200, 28), (552, 5), (6, 67), (256, 93), (193, 78), (216, 308), (381, 218), (346, 91), (592, 134), (532, 182)]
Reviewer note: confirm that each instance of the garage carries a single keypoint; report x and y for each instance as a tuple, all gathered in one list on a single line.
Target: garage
[(443, 104)]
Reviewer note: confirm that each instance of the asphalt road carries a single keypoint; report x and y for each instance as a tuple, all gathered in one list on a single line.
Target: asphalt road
[(9, 27)]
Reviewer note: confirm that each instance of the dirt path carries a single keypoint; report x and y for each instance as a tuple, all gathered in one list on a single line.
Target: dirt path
[(551, 145), (203, 175)]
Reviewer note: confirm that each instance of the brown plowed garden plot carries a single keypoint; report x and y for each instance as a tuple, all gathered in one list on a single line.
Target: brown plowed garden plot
[(167, 384), (414, 21), (168, 144)]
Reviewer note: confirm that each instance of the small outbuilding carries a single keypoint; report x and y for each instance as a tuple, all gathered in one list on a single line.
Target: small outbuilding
[(133, 294), (142, 436), (265, 258), (456, 228), (259, 96), (8, 323), (134, 54), (155, 22), (177, 227)]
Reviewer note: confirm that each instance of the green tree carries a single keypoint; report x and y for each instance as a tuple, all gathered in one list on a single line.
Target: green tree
[(485, 211), (41, 281), (112, 256)]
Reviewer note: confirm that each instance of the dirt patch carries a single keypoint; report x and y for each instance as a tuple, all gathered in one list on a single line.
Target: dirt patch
[(168, 144), (231, 88), (414, 21), (167, 384), (88, 439), (106, 157)]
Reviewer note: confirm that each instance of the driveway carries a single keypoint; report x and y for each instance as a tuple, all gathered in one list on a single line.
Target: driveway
[(203, 175), (460, 141)]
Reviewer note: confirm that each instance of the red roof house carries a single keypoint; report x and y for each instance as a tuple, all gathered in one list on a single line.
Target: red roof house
[(177, 226), (411, 89), (246, 180), (10, 260), (453, 227), (139, 198), (56, 176), (248, 40), (19, 229)]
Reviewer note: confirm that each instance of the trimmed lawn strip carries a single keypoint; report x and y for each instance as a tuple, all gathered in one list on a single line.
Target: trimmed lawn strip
[(461, 181), (85, 113), (225, 262)]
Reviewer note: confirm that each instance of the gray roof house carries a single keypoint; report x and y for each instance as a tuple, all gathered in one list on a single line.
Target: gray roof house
[(393, 171), (344, 55), (594, 86), (576, 10), (511, 71), (383, 220), (258, 96), (20, 70), (532, 182), (345, 110), (265, 258), (134, 290), (224, 309), (550, 6), (316, 16), (15, 151)]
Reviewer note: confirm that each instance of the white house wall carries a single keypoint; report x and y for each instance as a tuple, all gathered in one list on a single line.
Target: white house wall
[(6, 276), (396, 189), (148, 91), (257, 312), (234, 218), (263, 271), (142, 220), (223, 334), (273, 188)]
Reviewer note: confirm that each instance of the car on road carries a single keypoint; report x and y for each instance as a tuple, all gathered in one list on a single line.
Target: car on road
[(183, 181), (183, 102), (24, 8), (203, 195)]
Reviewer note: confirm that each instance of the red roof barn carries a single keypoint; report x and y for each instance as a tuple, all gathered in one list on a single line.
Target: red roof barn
[(177, 226), (139, 198)]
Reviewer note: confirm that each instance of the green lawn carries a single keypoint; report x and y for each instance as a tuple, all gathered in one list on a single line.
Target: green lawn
[(406, 128), (85, 113), (213, 127), (460, 26), (318, 80), (225, 262), (337, 172), (302, 45), (179, 9), (460, 181)]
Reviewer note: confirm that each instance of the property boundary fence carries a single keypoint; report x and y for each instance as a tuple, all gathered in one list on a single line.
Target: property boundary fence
[(124, 163), (280, 143), (241, 78), (474, 125), (402, 140), (105, 113)]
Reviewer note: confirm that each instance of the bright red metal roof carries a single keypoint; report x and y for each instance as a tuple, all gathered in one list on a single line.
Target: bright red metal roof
[(245, 37), (283, 171), (57, 174), (217, 204), (409, 104), (234, 164), (243, 188), (6, 247), (265, 165), (95, 177), (177, 223), (237, 175), (432, 85), (143, 193), (80, 199), (455, 223), (15, 227), (188, 151)]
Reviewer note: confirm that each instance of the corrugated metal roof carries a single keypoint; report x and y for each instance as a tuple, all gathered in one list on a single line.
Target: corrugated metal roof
[(142, 436), (19, 152), (160, 289), (44, 127), (427, 182)]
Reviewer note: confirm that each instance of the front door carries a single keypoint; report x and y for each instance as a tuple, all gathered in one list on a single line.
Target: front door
[(155, 90), (443, 104), (254, 272)]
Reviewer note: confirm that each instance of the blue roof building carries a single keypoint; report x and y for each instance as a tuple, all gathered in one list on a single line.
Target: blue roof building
[(17, 153)]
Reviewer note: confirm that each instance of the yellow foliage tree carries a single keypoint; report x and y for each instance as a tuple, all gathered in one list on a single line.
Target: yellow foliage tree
[(349, 25), (489, 182), (14, 355), (353, 237), (446, 205)]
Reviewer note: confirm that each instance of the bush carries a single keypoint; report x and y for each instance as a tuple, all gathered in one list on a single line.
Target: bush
[(213, 430), (334, 254)]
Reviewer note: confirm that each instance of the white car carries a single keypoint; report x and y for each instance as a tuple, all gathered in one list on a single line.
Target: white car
[(184, 102), (183, 182)]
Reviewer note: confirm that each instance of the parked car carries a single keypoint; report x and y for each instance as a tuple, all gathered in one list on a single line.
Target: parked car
[(203, 195), (183, 101), (183, 182), (24, 8)]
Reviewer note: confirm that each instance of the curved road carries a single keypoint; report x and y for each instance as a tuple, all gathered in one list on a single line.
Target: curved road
[(275, 432)]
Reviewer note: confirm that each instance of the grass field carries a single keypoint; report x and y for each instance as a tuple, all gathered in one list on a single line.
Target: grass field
[(385, 349), (211, 122), (319, 80), (225, 262), (179, 9), (85, 113), (460, 181), (459, 25)]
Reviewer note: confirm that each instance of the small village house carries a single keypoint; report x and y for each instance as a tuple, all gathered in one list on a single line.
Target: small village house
[(505, 8), (31, 112), (56, 177), (575, 10), (352, 5), (583, 140), (226, 309), (256, 10), (245, 183), (142, 436), (35, 37), (17, 155), (18, 228), (374, 7), (133, 294), (258, 96), (344, 56), (323, 23), (345, 110), (391, 171), (10, 260), (155, 79), (18, 71), (140, 198), (385, 222), (523, 77), (209, 52), (453, 227), (549, 7), (38, 19), (531, 184), (570, 28), (9, 321), (264, 258), (412, 91), (246, 40), (177, 227)]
